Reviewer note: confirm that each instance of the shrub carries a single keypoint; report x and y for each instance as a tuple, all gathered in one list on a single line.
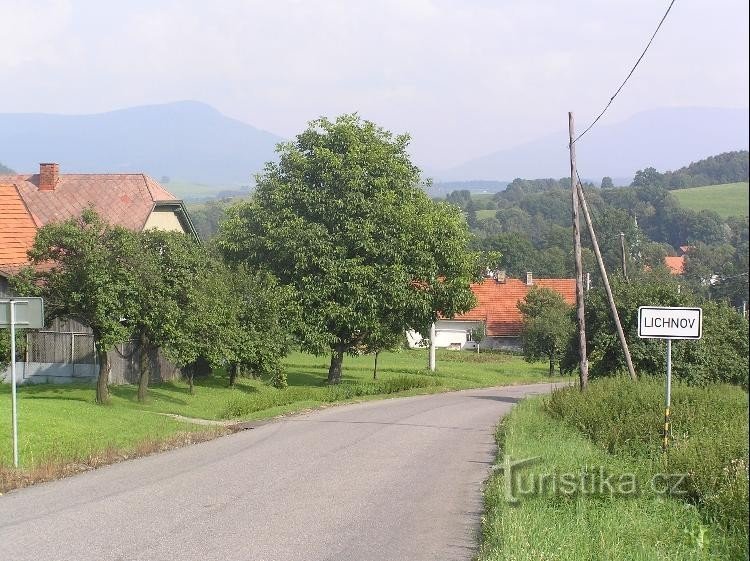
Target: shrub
[(710, 429), (245, 404), (720, 356)]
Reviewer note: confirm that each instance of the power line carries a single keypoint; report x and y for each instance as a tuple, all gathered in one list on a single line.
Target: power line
[(637, 62)]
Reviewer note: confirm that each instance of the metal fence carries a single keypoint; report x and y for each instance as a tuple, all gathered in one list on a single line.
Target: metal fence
[(68, 349), (65, 348)]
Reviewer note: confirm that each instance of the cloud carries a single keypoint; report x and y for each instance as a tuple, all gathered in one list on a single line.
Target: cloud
[(465, 77)]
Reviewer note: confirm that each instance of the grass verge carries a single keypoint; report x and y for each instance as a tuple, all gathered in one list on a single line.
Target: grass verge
[(566, 512), (62, 430)]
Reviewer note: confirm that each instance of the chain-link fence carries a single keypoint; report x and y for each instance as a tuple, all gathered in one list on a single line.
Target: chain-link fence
[(67, 348)]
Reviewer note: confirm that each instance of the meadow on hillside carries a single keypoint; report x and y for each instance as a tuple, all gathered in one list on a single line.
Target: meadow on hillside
[(729, 199)]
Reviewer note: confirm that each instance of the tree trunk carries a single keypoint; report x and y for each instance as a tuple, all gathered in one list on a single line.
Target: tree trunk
[(334, 371), (233, 372), (102, 382), (191, 375), (145, 368), (552, 364), (375, 370)]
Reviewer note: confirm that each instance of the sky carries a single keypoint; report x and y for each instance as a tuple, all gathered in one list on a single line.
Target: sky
[(463, 77)]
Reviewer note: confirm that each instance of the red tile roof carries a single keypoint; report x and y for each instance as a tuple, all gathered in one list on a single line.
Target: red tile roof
[(498, 303), (676, 265), (125, 199), (17, 228)]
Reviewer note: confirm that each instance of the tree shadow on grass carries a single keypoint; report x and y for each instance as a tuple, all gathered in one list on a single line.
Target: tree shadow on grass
[(68, 392), (130, 393), (58, 398), (308, 379)]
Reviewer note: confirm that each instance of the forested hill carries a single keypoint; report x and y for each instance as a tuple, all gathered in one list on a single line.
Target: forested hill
[(529, 225), (729, 167), (5, 169)]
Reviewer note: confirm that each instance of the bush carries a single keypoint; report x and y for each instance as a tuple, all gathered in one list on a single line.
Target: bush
[(710, 429), (245, 404), (720, 356)]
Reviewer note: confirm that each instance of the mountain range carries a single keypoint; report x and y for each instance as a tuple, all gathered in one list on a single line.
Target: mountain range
[(193, 142), (666, 138), (186, 140)]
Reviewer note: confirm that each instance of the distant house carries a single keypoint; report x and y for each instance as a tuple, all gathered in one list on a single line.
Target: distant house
[(496, 314), (64, 351), (675, 264)]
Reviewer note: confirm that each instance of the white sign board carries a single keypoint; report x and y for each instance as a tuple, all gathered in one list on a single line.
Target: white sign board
[(670, 323), (28, 312)]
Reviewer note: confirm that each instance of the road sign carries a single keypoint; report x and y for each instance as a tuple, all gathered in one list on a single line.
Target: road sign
[(29, 313), (670, 323), (26, 313)]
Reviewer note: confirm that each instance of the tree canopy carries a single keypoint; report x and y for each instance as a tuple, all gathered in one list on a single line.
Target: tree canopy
[(163, 289), (91, 277), (547, 326), (341, 220)]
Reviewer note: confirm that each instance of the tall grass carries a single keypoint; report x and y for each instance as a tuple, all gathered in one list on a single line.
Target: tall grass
[(588, 526), (710, 444)]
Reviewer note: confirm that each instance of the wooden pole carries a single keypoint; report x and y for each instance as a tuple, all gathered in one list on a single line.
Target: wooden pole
[(580, 318), (624, 261), (605, 279)]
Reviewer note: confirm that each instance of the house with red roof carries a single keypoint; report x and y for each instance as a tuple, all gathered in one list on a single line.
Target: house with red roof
[(675, 264), (29, 201), (496, 313)]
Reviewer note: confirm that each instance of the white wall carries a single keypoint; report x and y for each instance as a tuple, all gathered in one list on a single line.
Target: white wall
[(163, 220), (448, 334)]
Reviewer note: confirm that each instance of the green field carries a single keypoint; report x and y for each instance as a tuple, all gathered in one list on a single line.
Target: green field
[(61, 423), (187, 190), (486, 213), (730, 199)]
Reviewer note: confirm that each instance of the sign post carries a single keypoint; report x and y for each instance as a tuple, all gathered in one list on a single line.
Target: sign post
[(25, 313), (669, 323)]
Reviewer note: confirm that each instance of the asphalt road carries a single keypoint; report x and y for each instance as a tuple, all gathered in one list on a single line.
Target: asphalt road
[(391, 480)]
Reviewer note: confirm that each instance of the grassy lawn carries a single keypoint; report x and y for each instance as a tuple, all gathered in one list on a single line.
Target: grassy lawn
[(61, 423), (486, 213), (730, 199), (575, 526)]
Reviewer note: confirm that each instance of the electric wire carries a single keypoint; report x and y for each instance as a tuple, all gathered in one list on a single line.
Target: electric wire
[(637, 62)]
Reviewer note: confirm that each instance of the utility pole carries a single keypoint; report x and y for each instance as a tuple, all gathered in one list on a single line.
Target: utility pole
[(605, 279), (622, 253), (580, 319)]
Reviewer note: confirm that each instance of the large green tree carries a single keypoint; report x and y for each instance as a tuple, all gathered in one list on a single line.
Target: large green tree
[(89, 273), (341, 220), (547, 326)]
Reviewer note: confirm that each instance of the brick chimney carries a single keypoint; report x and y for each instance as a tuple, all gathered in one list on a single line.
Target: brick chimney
[(48, 176), (529, 278)]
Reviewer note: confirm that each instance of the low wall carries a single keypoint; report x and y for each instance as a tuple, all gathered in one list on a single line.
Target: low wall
[(125, 369), (51, 373)]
